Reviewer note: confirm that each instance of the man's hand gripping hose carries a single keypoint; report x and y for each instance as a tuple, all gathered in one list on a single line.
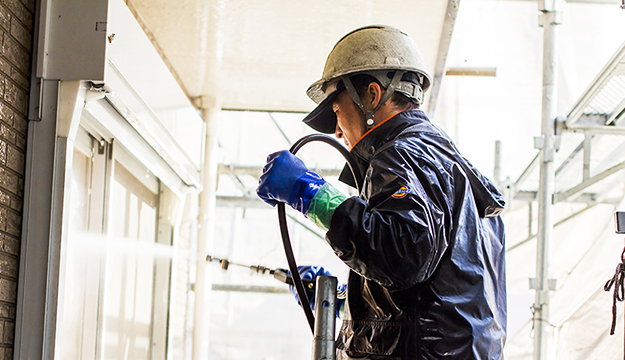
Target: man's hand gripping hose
[(286, 179)]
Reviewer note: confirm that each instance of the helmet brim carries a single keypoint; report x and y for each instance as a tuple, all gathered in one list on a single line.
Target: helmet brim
[(323, 118)]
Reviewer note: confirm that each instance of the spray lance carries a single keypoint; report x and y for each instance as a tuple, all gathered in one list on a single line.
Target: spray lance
[(325, 303), (281, 275)]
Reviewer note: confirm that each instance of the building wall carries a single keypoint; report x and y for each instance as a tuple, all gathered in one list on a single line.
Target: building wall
[(16, 32)]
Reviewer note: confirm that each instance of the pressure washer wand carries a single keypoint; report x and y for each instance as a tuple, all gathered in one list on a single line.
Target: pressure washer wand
[(282, 275)]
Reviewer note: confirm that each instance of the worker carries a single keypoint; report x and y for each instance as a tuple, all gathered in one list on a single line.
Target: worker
[(423, 240)]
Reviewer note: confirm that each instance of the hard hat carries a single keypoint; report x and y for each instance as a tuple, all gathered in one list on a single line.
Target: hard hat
[(383, 52)]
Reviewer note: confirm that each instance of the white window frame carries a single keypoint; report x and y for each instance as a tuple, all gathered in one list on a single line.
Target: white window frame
[(77, 105)]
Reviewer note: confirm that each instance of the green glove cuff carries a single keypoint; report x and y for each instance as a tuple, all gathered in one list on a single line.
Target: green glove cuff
[(323, 204)]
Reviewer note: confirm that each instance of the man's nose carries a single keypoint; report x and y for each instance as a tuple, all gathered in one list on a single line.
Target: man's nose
[(338, 132)]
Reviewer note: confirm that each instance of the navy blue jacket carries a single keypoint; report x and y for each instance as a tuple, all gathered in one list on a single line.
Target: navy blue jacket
[(425, 245)]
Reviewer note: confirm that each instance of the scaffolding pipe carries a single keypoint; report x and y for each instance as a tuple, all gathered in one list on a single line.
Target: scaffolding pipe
[(325, 319), (206, 221), (548, 20), (497, 169)]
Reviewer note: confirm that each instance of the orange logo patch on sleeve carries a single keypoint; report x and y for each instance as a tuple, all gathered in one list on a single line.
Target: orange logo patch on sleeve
[(402, 192)]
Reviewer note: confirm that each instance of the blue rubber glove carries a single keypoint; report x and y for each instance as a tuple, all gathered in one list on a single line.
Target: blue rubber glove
[(341, 296), (286, 179), (310, 273)]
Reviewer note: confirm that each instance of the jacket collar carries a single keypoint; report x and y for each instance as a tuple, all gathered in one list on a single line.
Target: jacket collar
[(387, 131)]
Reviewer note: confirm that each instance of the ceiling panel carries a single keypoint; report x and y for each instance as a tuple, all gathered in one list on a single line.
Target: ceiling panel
[(263, 55)]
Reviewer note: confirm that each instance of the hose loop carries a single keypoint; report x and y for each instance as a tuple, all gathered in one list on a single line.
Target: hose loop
[(284, 231)]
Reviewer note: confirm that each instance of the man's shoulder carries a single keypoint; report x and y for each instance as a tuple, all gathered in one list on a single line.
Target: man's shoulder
[(414, 146)]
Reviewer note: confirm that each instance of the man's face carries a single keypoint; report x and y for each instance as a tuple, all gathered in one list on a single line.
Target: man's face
[(350, 121)]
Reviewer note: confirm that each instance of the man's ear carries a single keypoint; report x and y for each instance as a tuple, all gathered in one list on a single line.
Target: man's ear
[(375, 93)]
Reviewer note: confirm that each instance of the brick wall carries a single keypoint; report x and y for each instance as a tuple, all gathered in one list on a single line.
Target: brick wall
[(16, 31)]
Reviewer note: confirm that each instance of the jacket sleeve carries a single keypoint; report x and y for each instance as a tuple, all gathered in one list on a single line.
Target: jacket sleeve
[(398, 236)]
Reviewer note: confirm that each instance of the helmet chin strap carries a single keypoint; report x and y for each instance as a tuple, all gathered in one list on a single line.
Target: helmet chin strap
[(369, 114)]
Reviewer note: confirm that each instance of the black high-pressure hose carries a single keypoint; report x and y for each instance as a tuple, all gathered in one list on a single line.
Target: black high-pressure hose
[(284, 231)]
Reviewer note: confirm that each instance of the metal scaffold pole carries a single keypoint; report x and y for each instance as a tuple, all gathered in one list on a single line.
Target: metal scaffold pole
[(210, 16), (210, 112), (325, 319), (549, 19)]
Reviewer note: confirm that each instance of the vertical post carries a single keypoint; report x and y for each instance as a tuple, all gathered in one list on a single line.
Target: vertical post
[(210, 112), (44, 228), (587, 149), (210, 16), (530, 219), (549, 19), (325, 319), (497, 169)]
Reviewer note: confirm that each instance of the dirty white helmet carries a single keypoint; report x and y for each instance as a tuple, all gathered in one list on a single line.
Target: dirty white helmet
[(383, 52)]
